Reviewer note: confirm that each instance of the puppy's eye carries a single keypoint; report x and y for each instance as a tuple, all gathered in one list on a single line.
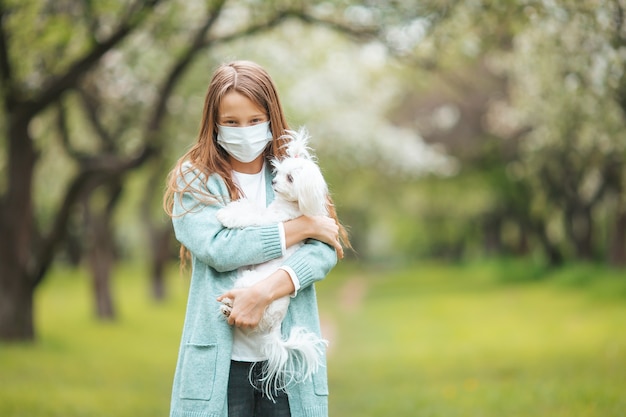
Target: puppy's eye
[(289, 178)]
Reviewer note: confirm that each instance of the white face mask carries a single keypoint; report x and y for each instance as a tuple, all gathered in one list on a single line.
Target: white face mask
[(244, 144)]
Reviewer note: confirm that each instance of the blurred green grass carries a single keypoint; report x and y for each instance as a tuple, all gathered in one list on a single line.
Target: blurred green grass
[(487, 339), (83, 367), (481, 340)]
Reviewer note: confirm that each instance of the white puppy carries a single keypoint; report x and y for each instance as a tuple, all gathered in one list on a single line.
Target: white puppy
[(300, 189)]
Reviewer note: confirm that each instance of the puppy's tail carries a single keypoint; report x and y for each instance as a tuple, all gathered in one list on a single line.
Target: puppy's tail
[(290, 361)]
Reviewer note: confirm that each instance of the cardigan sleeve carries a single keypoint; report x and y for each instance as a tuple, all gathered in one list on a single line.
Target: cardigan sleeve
[(312, 262), (197, 228)]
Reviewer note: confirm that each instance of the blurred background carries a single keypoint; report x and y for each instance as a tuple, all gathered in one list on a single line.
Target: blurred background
[(452, 134)]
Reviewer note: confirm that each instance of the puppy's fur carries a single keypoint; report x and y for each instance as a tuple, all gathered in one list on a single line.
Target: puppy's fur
[(300, 189)]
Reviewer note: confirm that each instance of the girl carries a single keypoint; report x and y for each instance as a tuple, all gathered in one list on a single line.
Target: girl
[(241, 128)]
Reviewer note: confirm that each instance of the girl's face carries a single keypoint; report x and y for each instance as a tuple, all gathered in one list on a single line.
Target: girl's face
[(236, 110)]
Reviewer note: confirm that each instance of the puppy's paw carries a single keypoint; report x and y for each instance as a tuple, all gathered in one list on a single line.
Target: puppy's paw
[(227, 218), (227, 307), (225, 310), (236, 214)]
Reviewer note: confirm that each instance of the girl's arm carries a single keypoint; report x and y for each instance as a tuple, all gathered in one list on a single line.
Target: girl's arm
[(311, 263), (197, 228), (320, 228)]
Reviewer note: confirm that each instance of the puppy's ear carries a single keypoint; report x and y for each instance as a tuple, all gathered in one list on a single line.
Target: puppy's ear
[(312, 190)]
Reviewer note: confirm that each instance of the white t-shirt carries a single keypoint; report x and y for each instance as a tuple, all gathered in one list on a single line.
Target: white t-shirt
[(246, 343)]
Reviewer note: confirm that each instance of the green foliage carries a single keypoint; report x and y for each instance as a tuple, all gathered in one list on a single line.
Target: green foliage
[(560, 66), (431, 339), (556, 119)]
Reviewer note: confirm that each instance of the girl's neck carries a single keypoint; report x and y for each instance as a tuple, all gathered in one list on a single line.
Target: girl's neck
[(253, 167)]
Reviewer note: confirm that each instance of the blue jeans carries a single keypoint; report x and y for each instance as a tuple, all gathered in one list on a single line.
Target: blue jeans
[(244, 400)]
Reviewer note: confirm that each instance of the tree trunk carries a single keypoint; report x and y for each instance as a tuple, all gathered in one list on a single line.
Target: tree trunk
[(523, 247), (101, 247), (492, 232), (160, 255), (551, 251), (17, 283), (16, 306), (100, 263), (617, 250), (579, 227)]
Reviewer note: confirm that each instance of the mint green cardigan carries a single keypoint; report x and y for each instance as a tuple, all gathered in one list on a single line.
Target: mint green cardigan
[(201, 376)]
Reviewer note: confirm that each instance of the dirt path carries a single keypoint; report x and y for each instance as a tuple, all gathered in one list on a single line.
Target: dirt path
[(350, 299)]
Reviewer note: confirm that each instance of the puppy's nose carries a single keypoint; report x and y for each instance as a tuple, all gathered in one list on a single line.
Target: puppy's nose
[(273, 182)]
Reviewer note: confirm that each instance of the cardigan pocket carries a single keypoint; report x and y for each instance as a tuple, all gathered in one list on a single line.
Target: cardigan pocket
[(320, 382), (198, 371)]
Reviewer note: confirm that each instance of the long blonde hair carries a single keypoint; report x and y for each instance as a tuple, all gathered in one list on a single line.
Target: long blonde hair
[(206, 157)]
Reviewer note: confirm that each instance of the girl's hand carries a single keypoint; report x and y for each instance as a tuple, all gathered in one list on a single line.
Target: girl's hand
[(247, 305), (326, 230), (322, 228)]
